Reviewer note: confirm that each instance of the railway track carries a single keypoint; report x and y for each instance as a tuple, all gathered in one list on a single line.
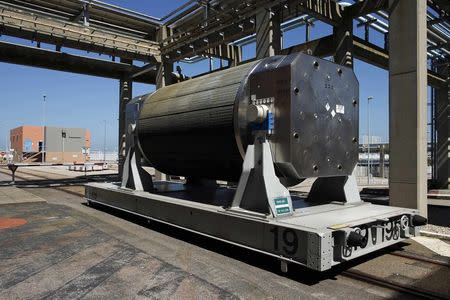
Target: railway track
[(29, 178), (398, 286), (417, 257)]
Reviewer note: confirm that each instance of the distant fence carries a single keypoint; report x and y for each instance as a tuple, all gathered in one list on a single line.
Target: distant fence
[(379, 175), (97, 155)]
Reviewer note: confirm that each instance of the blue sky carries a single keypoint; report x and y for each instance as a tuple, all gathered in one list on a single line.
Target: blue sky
[(75, 100)]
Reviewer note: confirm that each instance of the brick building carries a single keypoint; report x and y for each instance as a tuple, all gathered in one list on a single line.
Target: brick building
[(62, 145), (26, 138)]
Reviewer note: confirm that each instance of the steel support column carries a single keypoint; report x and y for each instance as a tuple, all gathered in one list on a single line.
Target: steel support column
[(268, 33), (443, 131), (343, 42), (164, 75), (408, 104), (163, 78), (236, 56), (125, 95), (321, 47)]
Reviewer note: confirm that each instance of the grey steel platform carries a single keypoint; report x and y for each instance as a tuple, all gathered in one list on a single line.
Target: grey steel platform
[(314, 236)]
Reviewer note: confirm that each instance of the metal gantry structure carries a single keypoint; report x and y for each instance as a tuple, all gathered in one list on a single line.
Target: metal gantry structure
[(415, 50)]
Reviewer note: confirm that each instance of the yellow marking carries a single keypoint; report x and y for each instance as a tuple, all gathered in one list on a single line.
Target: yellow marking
[(338, 226)]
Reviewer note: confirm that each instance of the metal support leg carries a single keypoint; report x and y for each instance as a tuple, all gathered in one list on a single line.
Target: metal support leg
[(134, 176), (160, 176), (13, 169), (335, 189), (259, 188)]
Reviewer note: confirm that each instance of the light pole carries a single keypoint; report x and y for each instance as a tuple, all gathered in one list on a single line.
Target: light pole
[(6, 142), (7, 145), (43, 128), (7, 148), (104, 143), (368, 139), (6, 135)]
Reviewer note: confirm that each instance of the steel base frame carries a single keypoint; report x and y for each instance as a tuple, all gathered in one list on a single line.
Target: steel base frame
[(314, 236)]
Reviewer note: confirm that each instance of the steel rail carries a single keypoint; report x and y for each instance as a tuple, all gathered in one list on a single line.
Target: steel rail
[(416, 291), (396, 286), (417, 257)]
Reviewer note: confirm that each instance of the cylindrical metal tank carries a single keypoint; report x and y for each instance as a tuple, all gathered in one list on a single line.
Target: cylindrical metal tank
[(198, 128)]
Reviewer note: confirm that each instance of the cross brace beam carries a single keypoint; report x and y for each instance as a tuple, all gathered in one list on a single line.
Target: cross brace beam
[(42, 58)]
